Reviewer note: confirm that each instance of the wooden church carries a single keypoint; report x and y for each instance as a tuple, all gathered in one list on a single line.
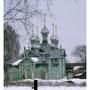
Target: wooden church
[(42, 60)]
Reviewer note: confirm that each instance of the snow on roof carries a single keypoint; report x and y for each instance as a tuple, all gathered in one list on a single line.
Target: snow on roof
[(17, 62), (77, 67), (35, 59), (79, 74)]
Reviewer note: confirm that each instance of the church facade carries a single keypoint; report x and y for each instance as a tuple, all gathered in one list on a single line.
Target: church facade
[(43, 60)]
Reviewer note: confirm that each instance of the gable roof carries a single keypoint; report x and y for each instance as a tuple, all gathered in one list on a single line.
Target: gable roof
[(17, 62), (57, 53), (20, 60), (49, 52)]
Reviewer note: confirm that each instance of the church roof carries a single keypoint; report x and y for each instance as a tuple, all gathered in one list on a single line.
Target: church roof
[(17, 62), (53, 52), (46, 47), (57, 53)]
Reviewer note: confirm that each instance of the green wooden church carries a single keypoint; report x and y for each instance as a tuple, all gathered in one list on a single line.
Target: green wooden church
[(43, 60)]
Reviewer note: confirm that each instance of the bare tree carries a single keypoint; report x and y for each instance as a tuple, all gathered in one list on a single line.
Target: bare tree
[(24, 11), (80, 53), (11, 43), (11, 48)]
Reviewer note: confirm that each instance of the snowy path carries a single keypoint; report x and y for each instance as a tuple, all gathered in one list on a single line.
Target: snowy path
[(45, 88)]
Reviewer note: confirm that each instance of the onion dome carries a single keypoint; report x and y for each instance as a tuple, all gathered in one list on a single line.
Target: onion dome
[(45, 33), (33, 39), (53, 37), (44, 30)]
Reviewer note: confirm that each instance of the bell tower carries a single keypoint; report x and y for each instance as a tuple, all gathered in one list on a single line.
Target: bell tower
[(33, 38), (45, 32), (37, 39), (54, 38)]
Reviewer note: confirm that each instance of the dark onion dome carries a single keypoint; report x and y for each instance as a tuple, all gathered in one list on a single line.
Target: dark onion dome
[(44, 30)]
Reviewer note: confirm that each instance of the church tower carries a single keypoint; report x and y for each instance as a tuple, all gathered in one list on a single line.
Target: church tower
[(45, 32), (37, 39), (54, 38), (33, 39)]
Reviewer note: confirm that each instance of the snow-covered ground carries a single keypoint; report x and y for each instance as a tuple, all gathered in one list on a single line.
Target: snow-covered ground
[(62, 82), (77, 83), (44, 88), (53, 81)]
